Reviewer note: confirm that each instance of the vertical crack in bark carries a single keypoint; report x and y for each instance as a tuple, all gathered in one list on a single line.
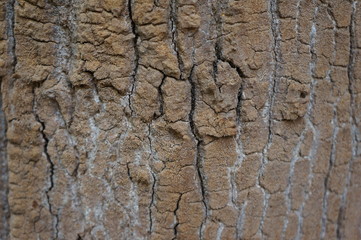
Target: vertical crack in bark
[(219, 49), (161, 98), (51, 165), (238, 164), (219, 57), (176, 218), (199, 142), (151, 204), (239, 101), (136, 53), (61, 71), (174, 35), (217, 46), (215, 66), (275, 29), (128, 172), (351, 78), (240, 155)]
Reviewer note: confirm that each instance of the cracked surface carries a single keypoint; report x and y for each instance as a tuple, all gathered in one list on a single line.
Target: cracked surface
[(166, 119)]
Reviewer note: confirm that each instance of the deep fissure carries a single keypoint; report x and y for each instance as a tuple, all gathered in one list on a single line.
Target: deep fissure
[(199, 143), (176, 217), (52, 168), (174, 35), (136, 53), (273, 9)]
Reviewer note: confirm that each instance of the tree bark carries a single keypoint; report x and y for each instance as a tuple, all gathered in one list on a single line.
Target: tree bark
[(167, 119)]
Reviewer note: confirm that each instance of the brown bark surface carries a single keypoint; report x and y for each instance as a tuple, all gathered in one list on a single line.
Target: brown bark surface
[(180, 119)]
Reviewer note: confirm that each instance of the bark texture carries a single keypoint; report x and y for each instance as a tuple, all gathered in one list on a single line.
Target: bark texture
[(180, 119)]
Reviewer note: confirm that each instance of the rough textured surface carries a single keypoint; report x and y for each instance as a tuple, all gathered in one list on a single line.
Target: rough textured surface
[(169, 119)]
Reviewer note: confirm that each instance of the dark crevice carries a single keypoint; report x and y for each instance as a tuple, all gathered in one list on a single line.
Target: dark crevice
[(199, 142), (176, 217), (151, 204), (50, 162), (136, 53), (239, 104), (174, 35), (217, 13), (276, 38), (275, 30), (233, 178), (216, 9), (161, 99), (128, 172), (220, 57), (241, 74), (215, 69), (218, 46), (331, 15)]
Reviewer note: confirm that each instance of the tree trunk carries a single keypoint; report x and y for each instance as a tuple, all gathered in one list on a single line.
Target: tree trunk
[(169, 119)]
